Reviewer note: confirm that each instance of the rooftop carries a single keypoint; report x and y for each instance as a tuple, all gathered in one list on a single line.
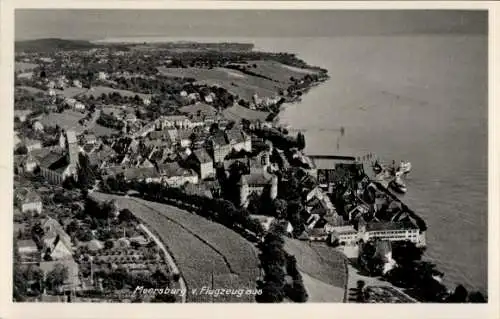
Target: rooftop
[(381, 226)]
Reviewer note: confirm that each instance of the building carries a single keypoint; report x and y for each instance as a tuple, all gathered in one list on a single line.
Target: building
[(29, 164), (391, 231), (57, 166), (22, 115), (239, 140), (345, 235), (174, 175), (32, 145), (223, 143), (180, 137), (77, 84), (31, 203), (205, 164), (173, 121), (27, 247), (37, 126), (257, 183), (102, 76), (220, 147)]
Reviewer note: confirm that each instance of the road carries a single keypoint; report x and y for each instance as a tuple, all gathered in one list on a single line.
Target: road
[(169, 260)]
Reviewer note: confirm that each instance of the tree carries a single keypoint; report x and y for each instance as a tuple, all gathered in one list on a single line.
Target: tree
[(57, 276), (476, 297), (459, 295), (108, 244), (301, 141), (21, 150)]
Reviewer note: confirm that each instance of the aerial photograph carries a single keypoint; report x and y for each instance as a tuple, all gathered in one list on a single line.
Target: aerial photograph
[(250, 156)]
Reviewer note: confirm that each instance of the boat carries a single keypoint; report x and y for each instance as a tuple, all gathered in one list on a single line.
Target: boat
[(404, 167), (377, 168), (398, 185)]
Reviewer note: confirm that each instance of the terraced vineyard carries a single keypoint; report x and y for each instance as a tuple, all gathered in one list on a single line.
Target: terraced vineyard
[(204, 251)]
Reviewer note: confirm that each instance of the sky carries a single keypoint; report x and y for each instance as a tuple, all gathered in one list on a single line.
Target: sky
[(101, 24)]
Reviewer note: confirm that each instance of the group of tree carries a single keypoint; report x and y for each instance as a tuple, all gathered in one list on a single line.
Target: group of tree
[(419, 278), (216, 209), (277, 265), (29, 280)]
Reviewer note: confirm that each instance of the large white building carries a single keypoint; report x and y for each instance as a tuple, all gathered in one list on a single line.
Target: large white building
[(389, 231)]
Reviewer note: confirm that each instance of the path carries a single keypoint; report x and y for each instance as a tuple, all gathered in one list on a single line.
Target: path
[(169, 260)]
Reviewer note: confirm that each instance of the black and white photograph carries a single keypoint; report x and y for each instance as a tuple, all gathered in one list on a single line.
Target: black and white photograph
[(249, 156)]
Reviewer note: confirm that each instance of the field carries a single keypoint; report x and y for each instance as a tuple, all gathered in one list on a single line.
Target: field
[(67, 120), (236, 82), (200, 248), (70, 92), (97, 91), (321, 263), (23, 66), (237, 112), (278, 71)]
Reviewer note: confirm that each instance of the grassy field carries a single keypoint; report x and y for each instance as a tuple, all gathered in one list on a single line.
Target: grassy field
[(23, 66), (277, 71), (70, 92), (236, 82), (321, 263), (200, 248), (238, 112), (67, 120), (97, 91)]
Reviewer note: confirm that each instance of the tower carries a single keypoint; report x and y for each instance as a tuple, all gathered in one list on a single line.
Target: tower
[(274, 187)]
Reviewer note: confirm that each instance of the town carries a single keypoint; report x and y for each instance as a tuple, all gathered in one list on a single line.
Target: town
[(165, 166)]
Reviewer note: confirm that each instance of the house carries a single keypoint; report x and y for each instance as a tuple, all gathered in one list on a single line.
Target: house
[(265, 221), (344, 235), (220, 147), (72, 280), (205, 164), (174, 175), (78, 106), (57, 247), (102, 76), (256, 183), (89, 139), (174, 121), (77, 83), (180, 137), (29, 163), (38, 126), (32, 145), (32, 203), (22, 115), (147, 174), (27, 247), (239, 140), (317, 234)]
